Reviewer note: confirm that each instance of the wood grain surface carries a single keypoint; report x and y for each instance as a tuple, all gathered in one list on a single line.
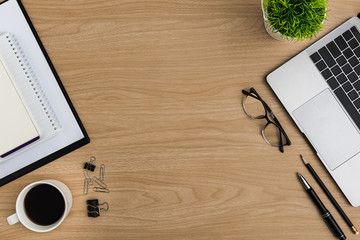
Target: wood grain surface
[(158, 85)]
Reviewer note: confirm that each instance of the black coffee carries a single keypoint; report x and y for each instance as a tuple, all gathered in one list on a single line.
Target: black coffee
[(44, 204)]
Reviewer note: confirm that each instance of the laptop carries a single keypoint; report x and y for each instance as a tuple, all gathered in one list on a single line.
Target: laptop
[(320, 89)]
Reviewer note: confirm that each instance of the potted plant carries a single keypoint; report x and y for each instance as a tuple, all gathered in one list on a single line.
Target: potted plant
[(294, 20)]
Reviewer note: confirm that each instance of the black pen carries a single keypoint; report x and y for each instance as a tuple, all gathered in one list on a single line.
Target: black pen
[(330, 196), (327, 217)]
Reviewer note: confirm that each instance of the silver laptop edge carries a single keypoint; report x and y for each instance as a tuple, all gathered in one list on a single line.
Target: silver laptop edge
[(302, 89)]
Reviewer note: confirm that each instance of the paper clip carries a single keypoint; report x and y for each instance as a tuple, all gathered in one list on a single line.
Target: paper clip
[(102, 190), (99, 182), (93, 207), (86, 186), (90, 165), (102, 172), (87, 177)]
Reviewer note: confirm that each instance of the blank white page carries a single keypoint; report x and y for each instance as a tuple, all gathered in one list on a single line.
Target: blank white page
[(16, 126)]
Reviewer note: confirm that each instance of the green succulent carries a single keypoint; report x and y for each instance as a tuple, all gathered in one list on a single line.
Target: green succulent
[(296, 19)]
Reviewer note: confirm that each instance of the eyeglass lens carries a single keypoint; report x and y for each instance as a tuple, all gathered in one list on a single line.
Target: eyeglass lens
[(273, 136), (254, 107), (271, 132)]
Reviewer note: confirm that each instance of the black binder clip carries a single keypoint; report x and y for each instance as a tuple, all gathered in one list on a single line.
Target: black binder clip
[(94, 209), (90, 165)]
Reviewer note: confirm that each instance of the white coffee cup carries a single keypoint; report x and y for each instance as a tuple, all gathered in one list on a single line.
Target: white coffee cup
[(21, 216)]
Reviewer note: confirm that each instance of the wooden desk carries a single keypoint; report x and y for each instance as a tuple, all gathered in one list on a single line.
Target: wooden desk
[(157, 85)]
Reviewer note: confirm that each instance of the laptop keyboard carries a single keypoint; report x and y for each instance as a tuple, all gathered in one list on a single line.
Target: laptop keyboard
[(339, 64)]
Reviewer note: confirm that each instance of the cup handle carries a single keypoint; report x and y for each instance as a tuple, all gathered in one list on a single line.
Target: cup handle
[(13, 219)]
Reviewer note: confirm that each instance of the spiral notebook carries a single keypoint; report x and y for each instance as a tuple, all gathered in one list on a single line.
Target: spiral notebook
[(60, 128), (17, 129), (33, 98)]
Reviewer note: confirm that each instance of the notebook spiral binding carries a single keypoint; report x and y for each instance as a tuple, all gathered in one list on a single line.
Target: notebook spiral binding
[(33, 81)]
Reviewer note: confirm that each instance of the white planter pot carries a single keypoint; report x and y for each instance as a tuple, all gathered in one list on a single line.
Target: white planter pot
[(272, 31)]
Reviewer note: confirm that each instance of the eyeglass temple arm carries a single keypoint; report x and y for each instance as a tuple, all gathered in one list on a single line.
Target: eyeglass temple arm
[(272, 115), (281, 148), (254, 94)]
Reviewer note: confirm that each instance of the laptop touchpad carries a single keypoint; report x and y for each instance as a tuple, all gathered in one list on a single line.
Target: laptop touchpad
[(329, 129)]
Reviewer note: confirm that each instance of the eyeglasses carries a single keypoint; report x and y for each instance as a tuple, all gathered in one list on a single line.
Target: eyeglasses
[(272, 132)]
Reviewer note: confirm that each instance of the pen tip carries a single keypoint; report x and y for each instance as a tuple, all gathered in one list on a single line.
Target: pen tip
[(303, 159), (303, 181), (355, 231)]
